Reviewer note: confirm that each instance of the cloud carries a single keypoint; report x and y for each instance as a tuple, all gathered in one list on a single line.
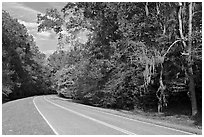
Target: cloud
[(32, 29), (18, 10), (26, 13), (43, 39), (28, 24), (44, 34), (49, 52), (45, 45), (22, 7)]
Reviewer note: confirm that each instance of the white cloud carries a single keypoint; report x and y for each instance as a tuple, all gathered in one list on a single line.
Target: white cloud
[(19, 6), (49, 51), (44, 34), (28, 24), (17, 10), (46, 41), (22, 7)]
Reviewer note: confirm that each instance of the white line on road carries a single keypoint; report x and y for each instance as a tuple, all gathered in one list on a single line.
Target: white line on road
[(145, 122), (45, 118), (95, 120), (97, 109)]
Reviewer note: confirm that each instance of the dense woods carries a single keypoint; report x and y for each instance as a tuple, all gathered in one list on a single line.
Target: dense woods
[(23, 65), (138, 55)]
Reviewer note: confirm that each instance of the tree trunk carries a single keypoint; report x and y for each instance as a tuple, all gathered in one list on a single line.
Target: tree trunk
[(146, 9), (189, 60), (160, 92), (190, 69), (181, 25)]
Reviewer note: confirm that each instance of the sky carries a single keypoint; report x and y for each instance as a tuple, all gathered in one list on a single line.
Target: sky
[(26, 13)]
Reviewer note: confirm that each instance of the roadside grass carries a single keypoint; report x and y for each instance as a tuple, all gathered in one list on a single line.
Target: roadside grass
[(20, 117), (179, 114)]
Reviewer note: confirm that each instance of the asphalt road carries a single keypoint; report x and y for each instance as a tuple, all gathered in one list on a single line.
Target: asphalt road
[(68, 118), (20, 117)]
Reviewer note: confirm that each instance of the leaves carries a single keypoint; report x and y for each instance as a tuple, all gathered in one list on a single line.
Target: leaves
[(23, 63), (129, 54)]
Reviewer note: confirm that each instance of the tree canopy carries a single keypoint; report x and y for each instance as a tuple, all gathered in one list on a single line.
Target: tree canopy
[(23, 65)]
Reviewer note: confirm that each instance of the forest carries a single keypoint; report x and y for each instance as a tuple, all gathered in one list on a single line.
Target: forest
[(23, 65), (138, 55)]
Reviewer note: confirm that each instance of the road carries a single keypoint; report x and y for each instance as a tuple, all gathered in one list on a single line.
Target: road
[(68, 118)]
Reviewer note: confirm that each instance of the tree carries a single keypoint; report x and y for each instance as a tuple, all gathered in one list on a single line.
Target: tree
[(187, 43), (22, 61), (135, 54)]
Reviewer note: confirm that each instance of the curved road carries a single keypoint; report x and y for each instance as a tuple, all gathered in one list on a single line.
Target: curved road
[(68, 118)]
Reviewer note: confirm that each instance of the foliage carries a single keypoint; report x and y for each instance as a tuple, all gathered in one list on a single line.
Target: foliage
[(24, 71), (134, 56)]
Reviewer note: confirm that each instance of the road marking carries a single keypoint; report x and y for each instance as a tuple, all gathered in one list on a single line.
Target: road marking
[(95, 120), (45, 118), (97, 109), (147, 123)]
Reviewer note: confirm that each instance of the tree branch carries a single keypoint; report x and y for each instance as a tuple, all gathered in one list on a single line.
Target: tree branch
[(170, 47)]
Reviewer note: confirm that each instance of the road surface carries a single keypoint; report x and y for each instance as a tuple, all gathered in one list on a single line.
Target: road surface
[(68, 118)]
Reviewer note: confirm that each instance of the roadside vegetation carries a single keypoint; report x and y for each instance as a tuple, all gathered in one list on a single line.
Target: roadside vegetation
[(23, 65), (144, 55)]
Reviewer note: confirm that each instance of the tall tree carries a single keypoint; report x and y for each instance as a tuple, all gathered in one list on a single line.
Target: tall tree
[(190, 69)]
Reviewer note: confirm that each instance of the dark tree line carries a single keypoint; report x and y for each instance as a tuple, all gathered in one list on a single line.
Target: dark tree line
[(23, 65)]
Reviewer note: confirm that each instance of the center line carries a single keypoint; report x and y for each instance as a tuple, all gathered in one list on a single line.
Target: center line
[(95, 120), (44, 117)]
